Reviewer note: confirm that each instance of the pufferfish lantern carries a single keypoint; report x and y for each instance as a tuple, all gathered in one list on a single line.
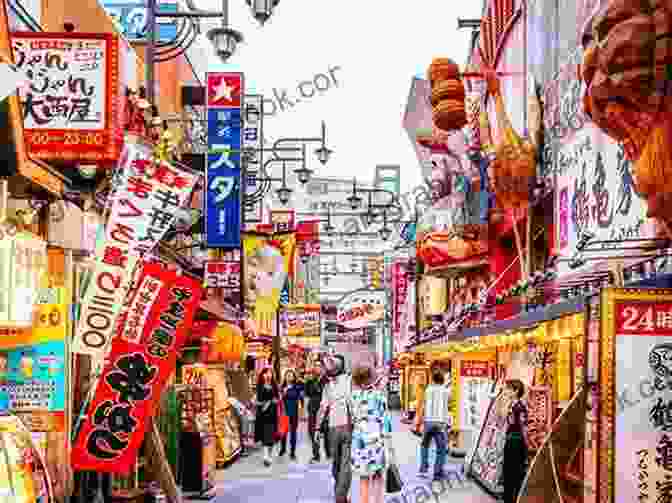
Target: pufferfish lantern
[(627, 68), (513, 171), (448, 94)]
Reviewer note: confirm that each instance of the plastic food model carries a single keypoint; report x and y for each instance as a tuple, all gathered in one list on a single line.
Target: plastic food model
[(627, 68), (448, 95), (513, 170)]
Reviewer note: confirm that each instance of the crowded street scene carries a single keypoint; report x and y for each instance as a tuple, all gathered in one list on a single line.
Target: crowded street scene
[(260, 251)]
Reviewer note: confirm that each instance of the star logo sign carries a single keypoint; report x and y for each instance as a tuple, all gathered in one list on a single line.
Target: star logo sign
[(224, 90)]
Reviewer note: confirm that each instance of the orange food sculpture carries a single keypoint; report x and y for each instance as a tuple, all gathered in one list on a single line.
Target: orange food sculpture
[(448, 95), (627, 68), (513, 171)]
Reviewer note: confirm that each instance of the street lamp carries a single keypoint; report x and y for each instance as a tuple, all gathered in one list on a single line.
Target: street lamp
[(303, 173), (323, 153), (262, 9), (354, 200), (223, 38)]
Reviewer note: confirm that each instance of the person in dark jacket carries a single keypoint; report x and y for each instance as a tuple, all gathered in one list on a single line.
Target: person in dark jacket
[(266, 423), (292, 395), (313, 391)]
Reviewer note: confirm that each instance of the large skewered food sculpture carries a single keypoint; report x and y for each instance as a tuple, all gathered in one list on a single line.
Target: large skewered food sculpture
[(627, 67), (513, 170), (448, 93)]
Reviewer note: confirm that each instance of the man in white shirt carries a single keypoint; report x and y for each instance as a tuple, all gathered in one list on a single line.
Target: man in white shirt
[(437, 420)]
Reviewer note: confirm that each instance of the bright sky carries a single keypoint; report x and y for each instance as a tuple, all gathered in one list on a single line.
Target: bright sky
[(377, 45)]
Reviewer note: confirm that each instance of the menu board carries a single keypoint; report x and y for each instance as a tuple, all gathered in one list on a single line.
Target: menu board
[(488, 457), (474, 393)]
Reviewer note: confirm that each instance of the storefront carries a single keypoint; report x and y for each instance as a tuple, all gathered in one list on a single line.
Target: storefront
[(544, 350)]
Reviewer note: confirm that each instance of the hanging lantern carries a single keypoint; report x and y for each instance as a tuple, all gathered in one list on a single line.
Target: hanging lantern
[(627, 68), (448, 94)]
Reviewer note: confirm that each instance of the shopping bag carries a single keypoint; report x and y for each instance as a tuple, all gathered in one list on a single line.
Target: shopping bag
[(393, 482), (283, 423)]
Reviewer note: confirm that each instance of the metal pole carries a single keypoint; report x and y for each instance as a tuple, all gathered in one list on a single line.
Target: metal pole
[(151, 48)]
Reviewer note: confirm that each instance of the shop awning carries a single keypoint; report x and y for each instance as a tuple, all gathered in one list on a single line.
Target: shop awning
[(524, 320)]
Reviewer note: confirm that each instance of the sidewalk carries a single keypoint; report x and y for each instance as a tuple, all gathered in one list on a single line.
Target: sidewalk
[(248, 481)]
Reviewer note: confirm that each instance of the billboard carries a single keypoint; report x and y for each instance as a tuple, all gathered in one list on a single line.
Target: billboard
[(70, 100), (361, 308)]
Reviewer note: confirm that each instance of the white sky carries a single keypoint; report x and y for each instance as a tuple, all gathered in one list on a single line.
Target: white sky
[(379, 46)]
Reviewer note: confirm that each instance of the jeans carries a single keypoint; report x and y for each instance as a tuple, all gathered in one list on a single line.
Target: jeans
[(436, 431), (293, 426), (313, 428), (341, 441)]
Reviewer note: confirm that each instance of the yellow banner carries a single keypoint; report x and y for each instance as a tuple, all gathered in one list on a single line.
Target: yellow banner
[(268, 264)]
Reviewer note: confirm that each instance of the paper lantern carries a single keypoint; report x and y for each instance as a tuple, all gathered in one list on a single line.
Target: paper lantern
[(448, 95), (627, 68)]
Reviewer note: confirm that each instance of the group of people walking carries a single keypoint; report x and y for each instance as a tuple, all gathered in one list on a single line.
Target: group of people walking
[(345, 412), (350, 415)]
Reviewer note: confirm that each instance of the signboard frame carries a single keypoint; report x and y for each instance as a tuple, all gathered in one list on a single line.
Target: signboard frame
[(96, 145)]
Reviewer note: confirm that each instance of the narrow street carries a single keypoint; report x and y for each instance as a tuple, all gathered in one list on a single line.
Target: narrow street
[(248, 481)]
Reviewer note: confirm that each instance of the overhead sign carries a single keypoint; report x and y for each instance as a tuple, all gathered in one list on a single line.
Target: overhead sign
[(361, 308), (131, 19), (223, 199), (70, 104)]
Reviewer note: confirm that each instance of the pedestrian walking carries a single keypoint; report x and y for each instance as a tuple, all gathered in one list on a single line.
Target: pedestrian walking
[(372, 428), (337, 406), (266, 424), (314, 387), (515, 445), (292, 396), (436, 421)]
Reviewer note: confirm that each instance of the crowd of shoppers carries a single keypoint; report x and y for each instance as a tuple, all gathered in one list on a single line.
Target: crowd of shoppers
[(349, 413)]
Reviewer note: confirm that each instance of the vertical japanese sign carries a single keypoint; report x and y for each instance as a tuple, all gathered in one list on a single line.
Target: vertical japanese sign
[(70, 103), (635, 423), (400, 296), (142, 211), (223, 199), (307, 281), (253, 141), (138, 366)]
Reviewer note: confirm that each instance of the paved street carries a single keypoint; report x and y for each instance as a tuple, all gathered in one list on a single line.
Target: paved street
[(248, 481)]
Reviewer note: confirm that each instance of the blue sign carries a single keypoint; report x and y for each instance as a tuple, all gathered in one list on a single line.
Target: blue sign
[(224, 129), (222, 204), (131, 19)]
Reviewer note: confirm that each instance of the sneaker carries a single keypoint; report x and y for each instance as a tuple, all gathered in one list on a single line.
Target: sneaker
[(267, 462), (314, 461), (292, 457)]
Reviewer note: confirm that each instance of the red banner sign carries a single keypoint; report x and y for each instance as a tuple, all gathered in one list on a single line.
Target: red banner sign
[(136, 372), (475, 369), (71, 103), (400, 281), (223, 274), (639, 318)]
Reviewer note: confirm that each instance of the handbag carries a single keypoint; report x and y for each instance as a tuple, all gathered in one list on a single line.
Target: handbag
[(393, 480), (283, 422)]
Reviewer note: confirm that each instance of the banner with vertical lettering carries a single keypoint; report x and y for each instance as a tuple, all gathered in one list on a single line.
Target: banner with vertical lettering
[(142, 212), (141, 360)]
